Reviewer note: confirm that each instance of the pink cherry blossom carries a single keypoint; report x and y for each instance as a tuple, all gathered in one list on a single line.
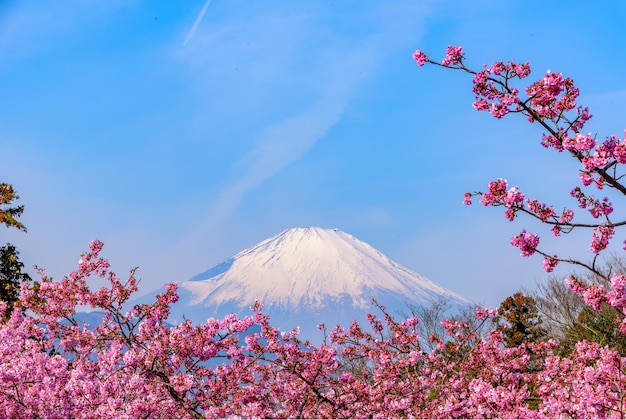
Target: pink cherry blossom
[(567, 216), (579, 142), (526, 242), (483, 313), (454, 55), (601, 237), (420, 58), (549, 263)]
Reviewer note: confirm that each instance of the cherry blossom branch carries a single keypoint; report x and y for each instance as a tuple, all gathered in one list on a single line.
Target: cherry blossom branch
[(550, 101)]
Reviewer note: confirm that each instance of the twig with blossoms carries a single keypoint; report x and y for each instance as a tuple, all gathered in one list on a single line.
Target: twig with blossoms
[(550, 102)]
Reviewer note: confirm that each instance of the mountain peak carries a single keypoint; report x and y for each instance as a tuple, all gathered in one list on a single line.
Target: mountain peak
[(310, 268)]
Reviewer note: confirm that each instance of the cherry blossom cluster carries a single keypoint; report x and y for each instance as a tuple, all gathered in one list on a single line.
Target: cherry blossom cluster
[(552, 95), (482, 313), (493, 96), (601, 237), (526, 242), (596, 208), (550, 102), (134, 364), (550, 262), (454, 56), (420, 58)]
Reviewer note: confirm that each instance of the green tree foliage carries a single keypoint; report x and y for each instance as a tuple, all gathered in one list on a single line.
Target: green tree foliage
[(11, 275), (598, 326), (519, 320), (10, 212)]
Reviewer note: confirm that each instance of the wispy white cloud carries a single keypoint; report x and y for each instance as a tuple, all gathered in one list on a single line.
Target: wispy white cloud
[(286, 78), (278, 145), (199, 18), (275, 147), (309, 83)]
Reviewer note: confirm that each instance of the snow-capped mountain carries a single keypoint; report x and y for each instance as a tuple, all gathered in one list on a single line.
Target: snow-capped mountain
[(303, 277)]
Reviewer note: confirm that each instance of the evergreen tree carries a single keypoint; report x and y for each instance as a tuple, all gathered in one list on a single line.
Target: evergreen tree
[(11, 275), (519, 320), (9, 213)]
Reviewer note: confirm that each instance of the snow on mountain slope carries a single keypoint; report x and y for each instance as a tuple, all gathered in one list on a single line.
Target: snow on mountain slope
[(309, 268), (305, 277)]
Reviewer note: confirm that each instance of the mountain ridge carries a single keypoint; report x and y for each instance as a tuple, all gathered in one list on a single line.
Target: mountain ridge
[(304, 277), (305, 267)]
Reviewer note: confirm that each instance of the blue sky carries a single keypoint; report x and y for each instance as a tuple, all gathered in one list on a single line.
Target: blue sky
[(180, 133)]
